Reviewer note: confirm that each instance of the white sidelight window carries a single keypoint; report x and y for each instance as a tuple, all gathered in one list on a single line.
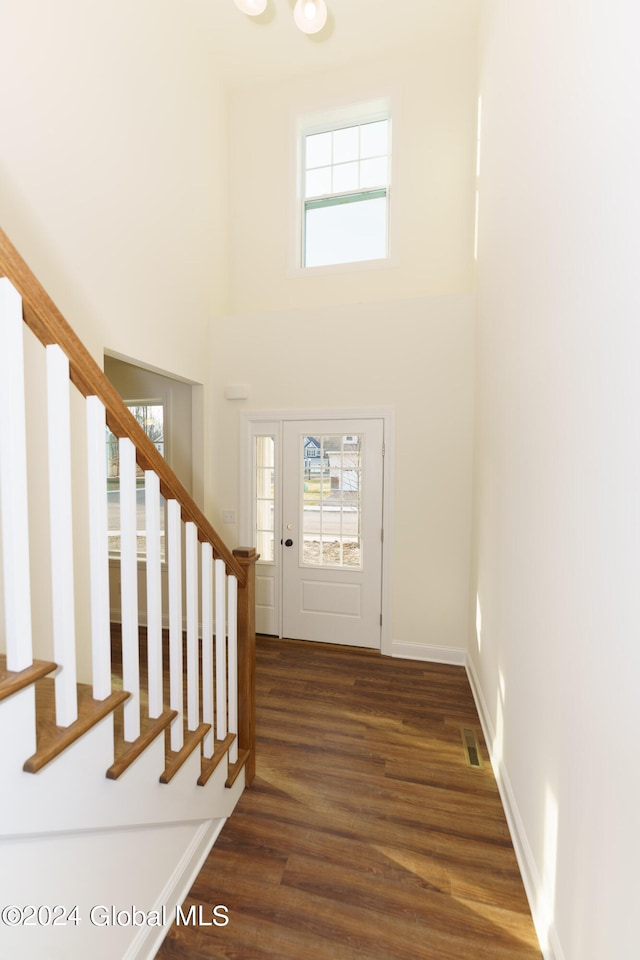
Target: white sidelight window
[(265, 498), (346, 173)]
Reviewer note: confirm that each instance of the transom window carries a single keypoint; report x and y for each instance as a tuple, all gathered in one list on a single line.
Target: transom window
[(346, 173)]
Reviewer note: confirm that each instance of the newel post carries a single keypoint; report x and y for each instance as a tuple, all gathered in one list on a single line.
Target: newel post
[(246, 557)]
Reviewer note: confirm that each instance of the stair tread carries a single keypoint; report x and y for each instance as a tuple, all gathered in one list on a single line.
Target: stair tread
[(235, 769), (126, 752), (13, 680), (52, 740), (220, 751), (175, 759)]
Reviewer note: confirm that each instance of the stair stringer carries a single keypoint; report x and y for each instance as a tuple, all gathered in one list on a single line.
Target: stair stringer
[(72, 792), (110, 877)]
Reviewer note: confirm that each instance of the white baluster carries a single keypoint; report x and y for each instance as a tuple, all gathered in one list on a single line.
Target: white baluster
[(129, 588), (14, 509), (154, 592), (60, 510), (98, 549), (221, 651), (191, 585), (232, 620), (207, 647), (174, 553)]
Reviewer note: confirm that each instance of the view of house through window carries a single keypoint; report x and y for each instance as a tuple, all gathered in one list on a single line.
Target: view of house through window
[(265, 498), (345, 211), (332, 502), (150, 416)]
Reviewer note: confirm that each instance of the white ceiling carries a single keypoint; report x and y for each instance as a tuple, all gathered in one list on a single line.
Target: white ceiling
[(270, 46)]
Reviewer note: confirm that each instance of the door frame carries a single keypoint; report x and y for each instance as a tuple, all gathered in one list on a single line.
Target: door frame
[(251, 418)]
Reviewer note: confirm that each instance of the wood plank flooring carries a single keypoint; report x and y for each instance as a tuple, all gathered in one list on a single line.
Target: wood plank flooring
[(365, 834)]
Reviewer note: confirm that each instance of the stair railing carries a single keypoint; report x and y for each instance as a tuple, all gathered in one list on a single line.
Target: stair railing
[(206, 580)]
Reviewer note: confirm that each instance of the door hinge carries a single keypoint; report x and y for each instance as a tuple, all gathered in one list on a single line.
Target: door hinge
[(380, 619), (383, 449), (382, 535)]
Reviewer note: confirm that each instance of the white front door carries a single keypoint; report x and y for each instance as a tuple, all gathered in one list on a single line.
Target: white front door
[(331, 530)]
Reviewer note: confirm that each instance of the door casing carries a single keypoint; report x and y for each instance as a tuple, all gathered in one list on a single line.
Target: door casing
[(252, 421)]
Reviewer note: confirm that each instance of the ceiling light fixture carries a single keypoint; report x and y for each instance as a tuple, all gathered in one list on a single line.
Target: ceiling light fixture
[(252, 8), (310, 15)]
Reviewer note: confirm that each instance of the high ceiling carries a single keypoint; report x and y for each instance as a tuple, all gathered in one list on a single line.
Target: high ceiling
[(270, 46)]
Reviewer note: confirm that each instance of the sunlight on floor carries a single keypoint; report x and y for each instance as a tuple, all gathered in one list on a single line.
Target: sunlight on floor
[(443, 877), (505, 920)]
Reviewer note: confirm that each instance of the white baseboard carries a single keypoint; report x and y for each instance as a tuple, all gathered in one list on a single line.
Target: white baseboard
[(115, 616), (148, 940), (423, 651), (551, 949)]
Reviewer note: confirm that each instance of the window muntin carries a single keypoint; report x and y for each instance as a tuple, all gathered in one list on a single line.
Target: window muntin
[(346, 193), (332, 502), (265, 497)]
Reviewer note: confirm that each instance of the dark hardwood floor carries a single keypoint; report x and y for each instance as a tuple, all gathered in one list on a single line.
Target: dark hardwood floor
[(365, 834)]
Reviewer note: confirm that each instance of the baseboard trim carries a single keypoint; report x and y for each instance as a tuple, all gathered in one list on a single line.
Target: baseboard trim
[(115, 616), (547, 935), (423, 651), (148, 940)]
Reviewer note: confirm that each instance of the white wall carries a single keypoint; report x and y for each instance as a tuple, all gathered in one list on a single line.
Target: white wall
[(557, 535), (432, 170), (114, 186), (113, 160), (147, 868), (112, 172), (413, 355), (399, 336)]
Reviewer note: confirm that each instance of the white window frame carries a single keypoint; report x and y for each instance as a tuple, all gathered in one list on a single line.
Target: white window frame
[(382, 108)]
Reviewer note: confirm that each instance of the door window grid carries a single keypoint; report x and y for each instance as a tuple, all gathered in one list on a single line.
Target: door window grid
[(265, 498), (331, 507)]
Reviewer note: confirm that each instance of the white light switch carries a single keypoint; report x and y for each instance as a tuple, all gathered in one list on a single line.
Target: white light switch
[(228, 516)]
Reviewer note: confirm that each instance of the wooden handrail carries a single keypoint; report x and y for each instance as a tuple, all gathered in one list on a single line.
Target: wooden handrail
[(47, 323)]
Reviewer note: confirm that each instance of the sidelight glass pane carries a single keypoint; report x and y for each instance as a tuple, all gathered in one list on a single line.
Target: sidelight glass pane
[(265, 498), (331, 511)]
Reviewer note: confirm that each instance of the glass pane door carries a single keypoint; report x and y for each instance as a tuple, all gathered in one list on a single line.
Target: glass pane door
[(331, 501)]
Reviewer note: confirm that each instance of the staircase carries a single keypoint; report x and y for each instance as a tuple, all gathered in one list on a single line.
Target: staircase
[(125, 748)]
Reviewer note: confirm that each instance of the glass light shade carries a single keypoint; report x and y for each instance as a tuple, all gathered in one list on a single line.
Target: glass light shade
[(251, 7), (310, 15)]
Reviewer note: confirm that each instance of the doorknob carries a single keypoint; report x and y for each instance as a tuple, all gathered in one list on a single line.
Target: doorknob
[(288, 542)]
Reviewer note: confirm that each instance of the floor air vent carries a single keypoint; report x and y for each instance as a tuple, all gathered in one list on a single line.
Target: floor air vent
[(471, 748)]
